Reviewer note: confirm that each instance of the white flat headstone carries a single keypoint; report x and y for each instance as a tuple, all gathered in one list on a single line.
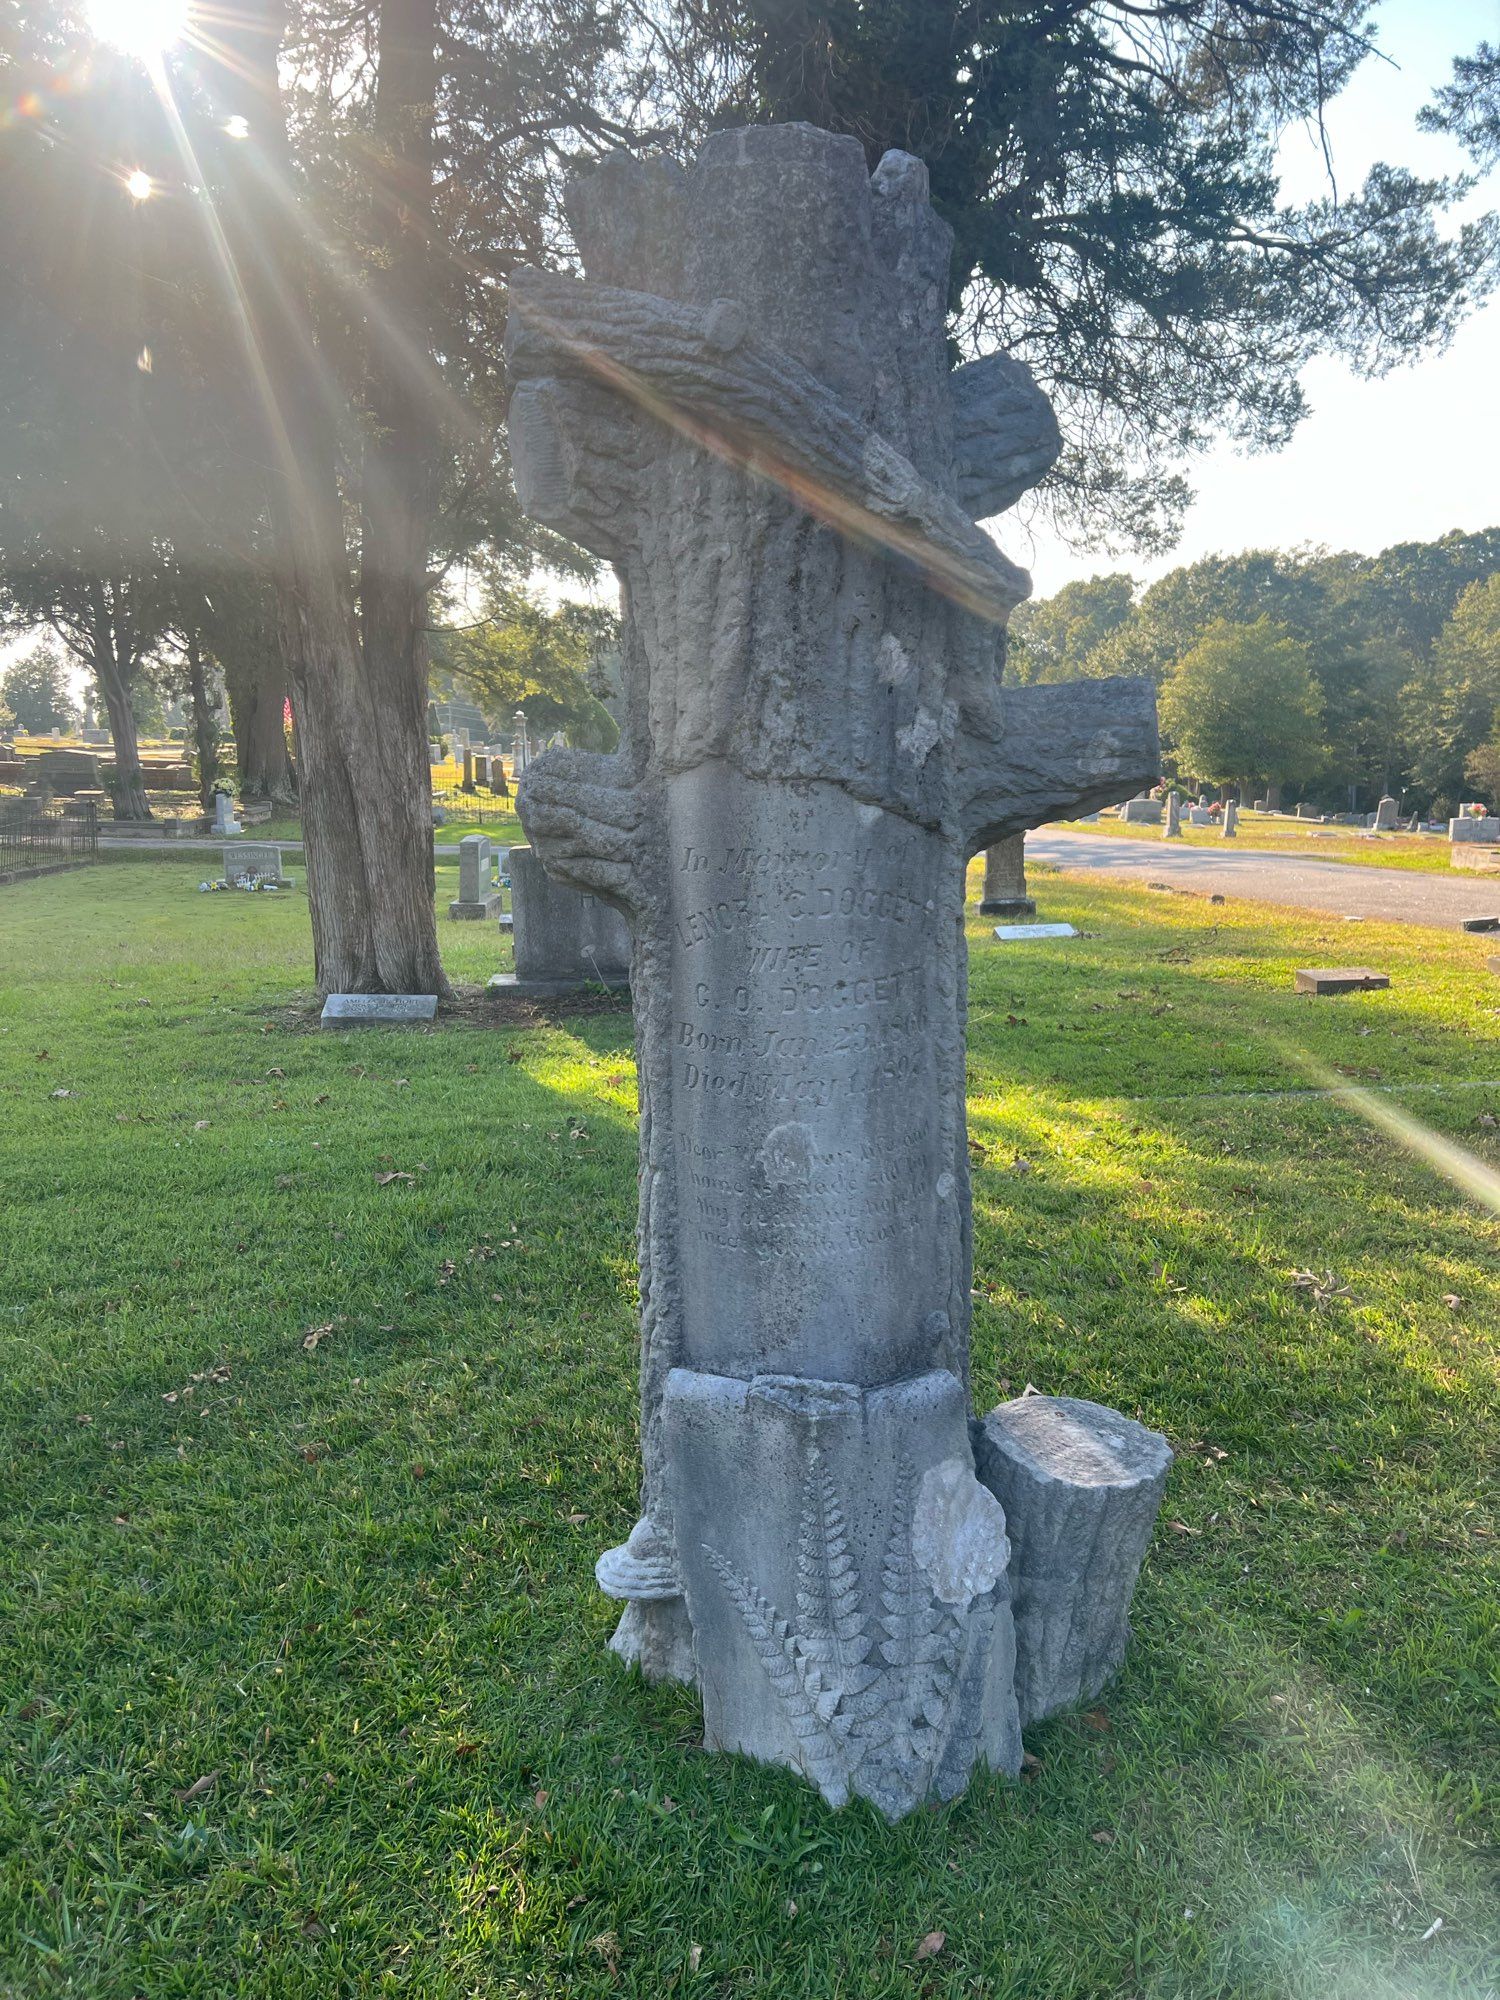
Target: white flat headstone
[(1023, 933)]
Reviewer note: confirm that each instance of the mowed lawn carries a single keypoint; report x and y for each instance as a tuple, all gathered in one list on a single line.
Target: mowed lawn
[(318, 1371)]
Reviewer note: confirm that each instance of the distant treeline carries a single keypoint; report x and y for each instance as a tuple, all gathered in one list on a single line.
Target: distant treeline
[(1307, 672)]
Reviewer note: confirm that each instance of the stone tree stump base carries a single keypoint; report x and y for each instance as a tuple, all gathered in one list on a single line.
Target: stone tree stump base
[(1080, 1485)]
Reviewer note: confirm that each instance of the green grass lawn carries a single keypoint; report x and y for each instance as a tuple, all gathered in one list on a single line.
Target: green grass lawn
[(1425, 852), (303, 1669)]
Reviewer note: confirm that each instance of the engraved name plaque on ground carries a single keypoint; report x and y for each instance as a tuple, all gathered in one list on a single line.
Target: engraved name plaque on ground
[(747, 408)]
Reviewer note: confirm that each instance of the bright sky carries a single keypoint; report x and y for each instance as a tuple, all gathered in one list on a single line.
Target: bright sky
[(1401, 459)]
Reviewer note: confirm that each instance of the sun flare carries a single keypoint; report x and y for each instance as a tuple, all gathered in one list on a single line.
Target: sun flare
[(141, 28)]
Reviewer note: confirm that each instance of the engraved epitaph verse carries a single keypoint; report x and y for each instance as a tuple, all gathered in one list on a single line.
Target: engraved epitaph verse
[(804, 964)]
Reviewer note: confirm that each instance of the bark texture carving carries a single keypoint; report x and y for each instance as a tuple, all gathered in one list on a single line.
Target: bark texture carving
[(747, 408)]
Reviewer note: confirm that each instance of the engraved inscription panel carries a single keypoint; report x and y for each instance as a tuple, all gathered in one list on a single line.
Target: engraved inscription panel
[(807, 963)]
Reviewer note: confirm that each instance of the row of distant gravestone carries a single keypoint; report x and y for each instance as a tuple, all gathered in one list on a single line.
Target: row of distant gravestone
[(1147, 811)]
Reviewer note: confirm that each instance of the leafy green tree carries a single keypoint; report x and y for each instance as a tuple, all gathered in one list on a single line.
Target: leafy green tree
[(1243, 703), (1055, 638), (521, 654), (35, 690), (1110, 171), (1457, 707)]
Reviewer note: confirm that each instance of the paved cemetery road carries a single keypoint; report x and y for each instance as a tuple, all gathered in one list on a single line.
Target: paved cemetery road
[(1343, 888)]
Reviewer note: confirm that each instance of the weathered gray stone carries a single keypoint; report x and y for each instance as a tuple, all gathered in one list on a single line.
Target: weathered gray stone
[(566, 939), (1142, 812), (1472, 830), (1172, 824), (1340, 979), (1005, 880), (224, 819), (476, 899), (376, 1010), (798, 789), (1200, 816), (1386, 814), (1231, 826), (1080, 1485), (845, 1575), (253, 861), (1029, 933)]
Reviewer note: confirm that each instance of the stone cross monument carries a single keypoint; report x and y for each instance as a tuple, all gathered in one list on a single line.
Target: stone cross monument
[(747, 408)]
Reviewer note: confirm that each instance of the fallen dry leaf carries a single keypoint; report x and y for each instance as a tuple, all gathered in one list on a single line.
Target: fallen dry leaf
[(1452, 1301), (695, 1957), (932, 1944), (1321, 1286), (198, 1787), (384, 1180), (1103, 1838)]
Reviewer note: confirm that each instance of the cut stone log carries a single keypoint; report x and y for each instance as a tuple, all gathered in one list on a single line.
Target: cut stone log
[(1080, 1485)]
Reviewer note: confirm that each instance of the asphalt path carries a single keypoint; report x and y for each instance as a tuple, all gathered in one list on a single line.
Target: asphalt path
[(1341, 888)]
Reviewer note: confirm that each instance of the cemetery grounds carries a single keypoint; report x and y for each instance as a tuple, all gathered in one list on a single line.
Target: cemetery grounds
[(318, 1358), (1424, 852)]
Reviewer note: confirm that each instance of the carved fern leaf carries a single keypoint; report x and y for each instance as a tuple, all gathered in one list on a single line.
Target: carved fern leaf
[(828, 1595), (808, 1700)]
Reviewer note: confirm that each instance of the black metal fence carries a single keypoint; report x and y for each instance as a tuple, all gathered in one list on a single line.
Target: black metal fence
[(475, 808), (35, 837)]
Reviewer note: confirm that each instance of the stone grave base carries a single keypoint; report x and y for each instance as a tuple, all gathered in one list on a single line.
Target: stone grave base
[(1007, 906), (1341, 979), (1483, 857), (844, 1571), (475, 913), (555, 989)]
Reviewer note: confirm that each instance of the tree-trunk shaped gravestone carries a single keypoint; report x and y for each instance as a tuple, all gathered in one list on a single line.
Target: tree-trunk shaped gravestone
[(762, 434)]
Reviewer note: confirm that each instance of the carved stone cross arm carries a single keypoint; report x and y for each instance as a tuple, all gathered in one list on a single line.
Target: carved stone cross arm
[(701, 373), (1043, 753)]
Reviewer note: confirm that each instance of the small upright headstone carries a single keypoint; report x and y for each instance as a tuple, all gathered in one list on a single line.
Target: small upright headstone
[(476, 898), (1200, 815), (252, 862), (1142, 811), (224, 819), (1385, 815), (1005, 880), (1474, 830), (565, 941), (1172, 826), (1231, 827), (1259, 806)]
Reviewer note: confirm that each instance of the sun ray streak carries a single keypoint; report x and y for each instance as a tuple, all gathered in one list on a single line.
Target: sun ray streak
[(1467, 1172)]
